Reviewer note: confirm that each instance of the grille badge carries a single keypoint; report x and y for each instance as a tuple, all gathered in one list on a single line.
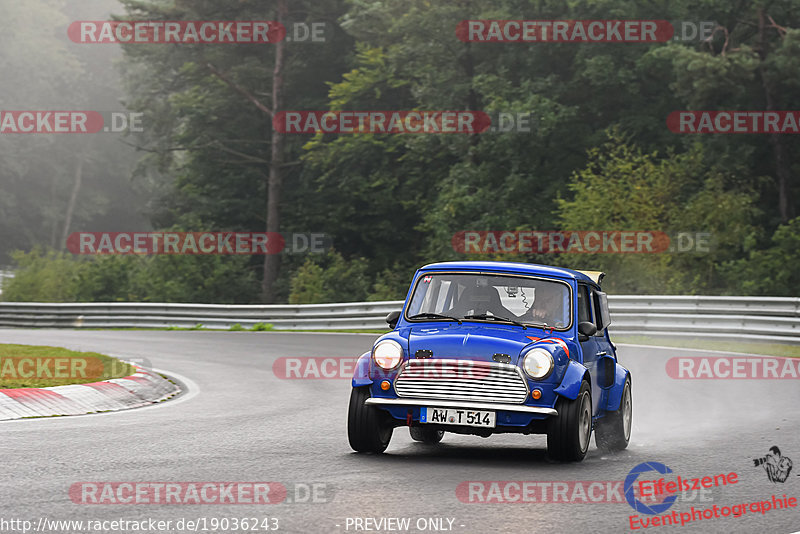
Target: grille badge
[(501, 358), (423, 354)]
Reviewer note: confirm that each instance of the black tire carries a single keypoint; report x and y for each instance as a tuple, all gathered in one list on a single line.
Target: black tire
[(426, 434), (368, 429), (569, 433), (613, 432)]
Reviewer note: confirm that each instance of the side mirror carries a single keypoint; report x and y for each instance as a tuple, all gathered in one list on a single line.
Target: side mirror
[(586, 329), (392, 319)]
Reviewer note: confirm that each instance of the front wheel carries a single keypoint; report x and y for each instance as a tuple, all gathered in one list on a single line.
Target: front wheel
[(426, 434), (568, 433), (367, 427), (613, 431)]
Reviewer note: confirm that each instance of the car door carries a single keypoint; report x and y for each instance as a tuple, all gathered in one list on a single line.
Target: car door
[(589, 347), (606, 356)]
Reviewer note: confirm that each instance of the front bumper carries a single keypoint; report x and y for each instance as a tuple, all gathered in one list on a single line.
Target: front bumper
[(467, 405)]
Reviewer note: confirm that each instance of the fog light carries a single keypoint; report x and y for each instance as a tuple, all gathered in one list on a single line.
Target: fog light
[(536, 394), (385, 385)]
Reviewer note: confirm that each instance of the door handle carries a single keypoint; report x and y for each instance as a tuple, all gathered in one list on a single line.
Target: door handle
[(604, 353)]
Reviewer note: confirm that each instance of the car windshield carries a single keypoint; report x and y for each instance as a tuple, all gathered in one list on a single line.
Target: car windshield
[(449, 296)]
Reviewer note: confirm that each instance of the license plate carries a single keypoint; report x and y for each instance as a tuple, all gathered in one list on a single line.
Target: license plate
[(453, 416)]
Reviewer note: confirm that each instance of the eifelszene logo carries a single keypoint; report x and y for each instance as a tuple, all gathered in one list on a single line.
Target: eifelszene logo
[(630, 486), (777, 467)]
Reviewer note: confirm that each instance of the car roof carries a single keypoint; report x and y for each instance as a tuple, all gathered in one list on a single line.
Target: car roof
[(507, 266)]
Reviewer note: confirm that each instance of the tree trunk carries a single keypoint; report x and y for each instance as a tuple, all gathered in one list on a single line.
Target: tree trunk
[(275, 178), (73, 198), (782, 170)]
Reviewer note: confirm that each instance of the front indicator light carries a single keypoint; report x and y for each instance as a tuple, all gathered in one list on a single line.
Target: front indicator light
[(385, 385), (536, 394)]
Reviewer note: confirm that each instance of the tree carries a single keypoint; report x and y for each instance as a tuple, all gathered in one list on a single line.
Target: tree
[(623, 188), (750, 63), (201, 98), (54, 184)]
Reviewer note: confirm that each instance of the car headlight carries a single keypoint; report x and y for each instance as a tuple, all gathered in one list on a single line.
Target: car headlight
[(538, 363), (387, 354)]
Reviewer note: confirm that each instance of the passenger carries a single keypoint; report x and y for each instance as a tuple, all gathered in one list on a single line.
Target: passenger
[(547, 306)]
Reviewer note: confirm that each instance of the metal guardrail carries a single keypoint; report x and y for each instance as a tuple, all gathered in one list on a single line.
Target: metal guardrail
[(355, 315), (752, 318)]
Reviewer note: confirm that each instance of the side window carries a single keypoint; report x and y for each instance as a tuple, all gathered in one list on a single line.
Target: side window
[(604, 311), (600, 301), (584, 308)]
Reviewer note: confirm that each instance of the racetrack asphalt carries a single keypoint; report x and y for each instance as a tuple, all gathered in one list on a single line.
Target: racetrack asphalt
[(239, 422)]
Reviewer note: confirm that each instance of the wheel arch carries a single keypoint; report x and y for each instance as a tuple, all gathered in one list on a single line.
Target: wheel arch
[(615, 395), (574, 376)]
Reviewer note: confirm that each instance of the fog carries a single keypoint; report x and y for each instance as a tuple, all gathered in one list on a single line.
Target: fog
[(55, 184)]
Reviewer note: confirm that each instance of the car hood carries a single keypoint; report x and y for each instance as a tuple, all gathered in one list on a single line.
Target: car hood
[(469, 341)]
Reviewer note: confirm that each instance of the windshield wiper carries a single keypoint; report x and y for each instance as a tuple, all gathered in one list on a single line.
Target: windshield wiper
[(496, 318), (434, 316)]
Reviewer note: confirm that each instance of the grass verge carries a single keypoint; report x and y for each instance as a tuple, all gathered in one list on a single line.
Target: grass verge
[(29, 366), (748, 347)]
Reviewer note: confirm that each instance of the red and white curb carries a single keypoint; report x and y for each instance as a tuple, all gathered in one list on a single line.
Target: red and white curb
[(139, 389)]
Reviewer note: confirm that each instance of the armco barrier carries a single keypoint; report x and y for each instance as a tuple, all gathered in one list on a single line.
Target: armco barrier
[(355, 315), (753, 318)]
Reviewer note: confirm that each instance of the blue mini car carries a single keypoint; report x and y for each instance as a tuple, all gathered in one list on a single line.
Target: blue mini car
[(493, 347)]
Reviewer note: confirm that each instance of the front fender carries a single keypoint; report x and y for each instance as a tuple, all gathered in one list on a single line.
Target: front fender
[(571, 383), (361, 374), (615, 394)]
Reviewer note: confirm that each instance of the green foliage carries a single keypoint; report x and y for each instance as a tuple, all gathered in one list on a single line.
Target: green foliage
[(236, 328), (49, 276), (330, 278), (391, 284), (210, 279), (622, 188), (770, 271), (262, 327), (43, 276)]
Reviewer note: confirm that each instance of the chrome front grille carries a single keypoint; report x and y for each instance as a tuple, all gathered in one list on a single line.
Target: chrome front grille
[(464, 380)]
